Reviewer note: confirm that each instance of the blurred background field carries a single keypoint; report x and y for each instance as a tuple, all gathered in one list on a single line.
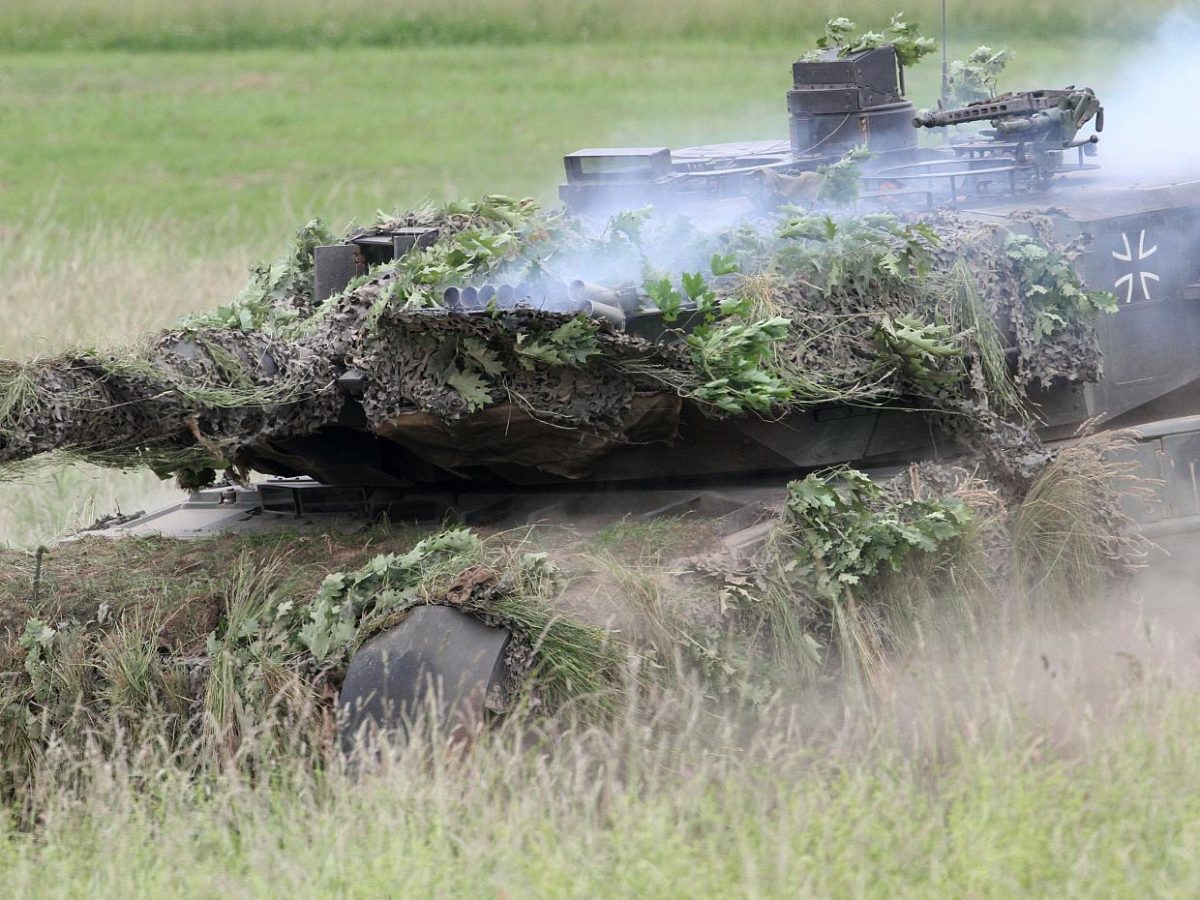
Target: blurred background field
[(235, 24)]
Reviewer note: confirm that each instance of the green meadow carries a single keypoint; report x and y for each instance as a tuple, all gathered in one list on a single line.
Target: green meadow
[(304, 24)]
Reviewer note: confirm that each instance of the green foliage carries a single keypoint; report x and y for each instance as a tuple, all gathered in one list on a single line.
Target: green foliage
[(329, 625), (922, 350), (479, 354), (464, 255), (479, 366), (730, 347), (1052, 288), (840, 533), (488, 234), (628, 223), (694, 286), (723, 264), (975, 77), (909, 43), (38, 640), (858, 255), (837, 34), (844, 530), (571, 660), (911, 46), (473, 387), (730, 360), (496, 208), (264, 302), (496, 231), (841, 180), (570, 344), (664, 295)]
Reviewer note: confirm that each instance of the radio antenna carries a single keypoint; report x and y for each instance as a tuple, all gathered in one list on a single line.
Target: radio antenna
[(945, 65)]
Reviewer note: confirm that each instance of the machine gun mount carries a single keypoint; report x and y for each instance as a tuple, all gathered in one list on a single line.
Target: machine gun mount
[(1035, 115), (1034, 127)]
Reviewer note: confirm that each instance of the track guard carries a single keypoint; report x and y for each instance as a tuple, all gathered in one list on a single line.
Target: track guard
[(437, 655)]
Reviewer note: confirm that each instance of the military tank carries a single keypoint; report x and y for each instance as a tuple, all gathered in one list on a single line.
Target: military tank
[(1034, 167)]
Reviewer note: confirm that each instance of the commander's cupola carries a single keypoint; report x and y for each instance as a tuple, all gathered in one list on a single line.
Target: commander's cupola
[(840, 101)]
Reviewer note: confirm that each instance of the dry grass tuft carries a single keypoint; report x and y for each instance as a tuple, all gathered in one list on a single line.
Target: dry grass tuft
[(1071, 535)]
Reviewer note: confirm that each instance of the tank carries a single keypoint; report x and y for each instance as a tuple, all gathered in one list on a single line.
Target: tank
[(1035, 164)]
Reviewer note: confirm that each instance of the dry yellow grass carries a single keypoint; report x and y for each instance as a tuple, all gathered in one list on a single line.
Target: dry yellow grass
[(59, 287)]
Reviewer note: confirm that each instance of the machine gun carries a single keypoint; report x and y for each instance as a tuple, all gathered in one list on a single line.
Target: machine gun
[(1048, 117), (1031, 129)]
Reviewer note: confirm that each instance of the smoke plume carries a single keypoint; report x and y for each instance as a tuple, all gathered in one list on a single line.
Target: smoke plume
[(1152, 130)]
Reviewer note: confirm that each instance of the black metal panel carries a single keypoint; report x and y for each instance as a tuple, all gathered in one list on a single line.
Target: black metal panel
[(1142, 258), (1150, 346), (1062, 407), (333, 268), (603, 197), (881, 129), (1146, 460), (405, 239), (301, 498), (809, 440), (375, 249), (875, 70), (1181, 458), (617, 164), (836, 99), (438, 659)]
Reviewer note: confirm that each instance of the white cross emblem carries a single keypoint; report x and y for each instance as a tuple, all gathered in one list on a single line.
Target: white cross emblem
[(1126, 280)]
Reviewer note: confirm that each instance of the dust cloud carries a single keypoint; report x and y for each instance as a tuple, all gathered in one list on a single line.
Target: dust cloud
[(1152, 123)]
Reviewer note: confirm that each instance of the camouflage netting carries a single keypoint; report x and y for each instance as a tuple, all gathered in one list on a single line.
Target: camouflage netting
[(410, 352), (182, 399), (786, 312)]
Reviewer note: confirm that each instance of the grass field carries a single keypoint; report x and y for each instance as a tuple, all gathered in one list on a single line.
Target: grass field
[(226, 151), (152, 151), (231, 24)]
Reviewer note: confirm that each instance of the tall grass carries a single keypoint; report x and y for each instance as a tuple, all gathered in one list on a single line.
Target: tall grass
[(236, 24), (982, 773), (63, 285)]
